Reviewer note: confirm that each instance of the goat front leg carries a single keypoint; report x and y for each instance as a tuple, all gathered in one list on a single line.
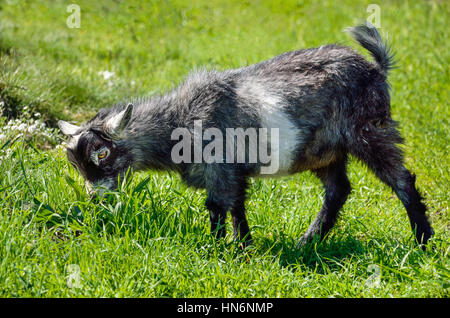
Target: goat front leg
[(217, 215), (240, 225), (228, 194)]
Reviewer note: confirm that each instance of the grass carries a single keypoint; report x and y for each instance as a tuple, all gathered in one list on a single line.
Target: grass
[(151, 238)]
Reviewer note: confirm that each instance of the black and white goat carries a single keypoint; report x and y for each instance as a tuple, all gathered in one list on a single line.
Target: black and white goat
[(322, 104)]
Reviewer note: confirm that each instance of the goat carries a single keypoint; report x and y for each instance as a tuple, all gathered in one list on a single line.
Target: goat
[(323, 104)]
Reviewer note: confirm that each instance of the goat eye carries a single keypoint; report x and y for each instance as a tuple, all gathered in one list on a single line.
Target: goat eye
[(102, 155)]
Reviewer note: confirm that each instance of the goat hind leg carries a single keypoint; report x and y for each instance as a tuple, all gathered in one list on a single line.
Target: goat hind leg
[(337, 188), (385, 158), (388, 166)]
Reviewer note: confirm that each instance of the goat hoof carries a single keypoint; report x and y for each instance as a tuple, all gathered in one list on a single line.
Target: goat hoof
[(304, 240)]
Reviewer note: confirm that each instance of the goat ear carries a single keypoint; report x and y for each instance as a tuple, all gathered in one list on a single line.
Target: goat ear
[(67, 128), (117, 123)]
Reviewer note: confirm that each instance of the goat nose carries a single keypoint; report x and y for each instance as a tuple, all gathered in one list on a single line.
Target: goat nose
[(89, 189), (94, 192), (98, 195)]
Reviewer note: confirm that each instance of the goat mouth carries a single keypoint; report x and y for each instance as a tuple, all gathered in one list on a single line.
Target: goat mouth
[(99, 190)]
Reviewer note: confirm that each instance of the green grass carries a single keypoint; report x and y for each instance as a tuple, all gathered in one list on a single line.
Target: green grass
[(151, 238)]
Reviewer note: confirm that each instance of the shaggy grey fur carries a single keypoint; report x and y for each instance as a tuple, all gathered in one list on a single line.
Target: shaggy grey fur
[(328, 102)]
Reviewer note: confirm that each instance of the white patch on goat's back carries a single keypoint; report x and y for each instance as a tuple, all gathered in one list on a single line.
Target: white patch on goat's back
[(273, 117)]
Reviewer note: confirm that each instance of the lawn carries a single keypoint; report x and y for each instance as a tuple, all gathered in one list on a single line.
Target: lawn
[(151, 238)]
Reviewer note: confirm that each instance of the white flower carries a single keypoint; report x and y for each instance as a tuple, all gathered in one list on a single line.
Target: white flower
[(60, 147), (106, 74), (32, 128)]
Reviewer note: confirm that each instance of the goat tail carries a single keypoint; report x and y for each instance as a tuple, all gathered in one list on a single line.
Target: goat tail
[(370, 39)]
